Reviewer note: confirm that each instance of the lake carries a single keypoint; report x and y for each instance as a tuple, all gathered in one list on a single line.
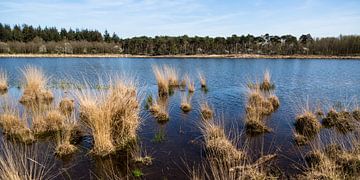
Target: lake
[(296, 81)]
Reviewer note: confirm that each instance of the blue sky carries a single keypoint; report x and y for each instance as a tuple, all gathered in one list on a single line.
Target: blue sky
[(130, 18)]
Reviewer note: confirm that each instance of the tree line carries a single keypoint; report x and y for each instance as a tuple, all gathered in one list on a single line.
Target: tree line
[(29, 39)]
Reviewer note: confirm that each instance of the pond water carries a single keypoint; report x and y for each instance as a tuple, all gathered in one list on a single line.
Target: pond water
[(296, 81)]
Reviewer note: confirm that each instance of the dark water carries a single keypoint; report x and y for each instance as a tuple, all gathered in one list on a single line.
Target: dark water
[(296, 81)]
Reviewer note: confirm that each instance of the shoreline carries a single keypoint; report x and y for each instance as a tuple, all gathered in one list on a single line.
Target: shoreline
[(203, 56)]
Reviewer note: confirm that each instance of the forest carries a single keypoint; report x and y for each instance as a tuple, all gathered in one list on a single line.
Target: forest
[(24, 39)]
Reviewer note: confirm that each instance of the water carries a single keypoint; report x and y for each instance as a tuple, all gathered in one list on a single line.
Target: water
[(296, 81)]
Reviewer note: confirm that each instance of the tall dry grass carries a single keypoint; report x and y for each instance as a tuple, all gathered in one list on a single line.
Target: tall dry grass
[(206, 110), (225, 161), (190, 83), (3, 81), (14, 125), (34, 83), (162, 80), (112, 115), (20, 162), (172, 75), (64, 146), (202, 79), (185, 103), (159, 108)]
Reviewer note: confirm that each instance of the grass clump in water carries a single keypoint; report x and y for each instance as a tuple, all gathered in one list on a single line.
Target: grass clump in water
[(306, 124), (112, 115), (47, 123), (267, 85), (14, 126), (162, 81), (202, 79), (172, 76), (3, 82), (206, 111), (159, 109), (64, 146), (343, 121), (190, 84), (35, 86), (185, 103)]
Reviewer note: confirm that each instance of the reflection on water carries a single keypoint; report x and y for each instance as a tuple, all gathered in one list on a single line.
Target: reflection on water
[(179, 139)]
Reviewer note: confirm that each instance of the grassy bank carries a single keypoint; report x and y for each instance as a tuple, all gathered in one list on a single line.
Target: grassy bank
[(229, 56)]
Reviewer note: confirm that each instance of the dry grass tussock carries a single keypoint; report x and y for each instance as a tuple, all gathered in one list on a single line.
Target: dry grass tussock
[(307, 126), (3, 81), (14, 125), (21, 162), (190, 84), (206, 111), (267, 85), (343, 120), (47, 122), (112, 115), (159, 109), (225, 161), (35, 86), (185, 103), (64, 146), (162, 80), (172, 75), (67, 106), (333, 161), (202, 79), (259, 105)]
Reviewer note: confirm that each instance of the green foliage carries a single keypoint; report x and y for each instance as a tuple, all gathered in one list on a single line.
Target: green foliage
[(137, 173), (28, 39)]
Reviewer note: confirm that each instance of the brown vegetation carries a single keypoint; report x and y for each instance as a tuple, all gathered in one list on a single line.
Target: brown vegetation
[(185, 103), (112, 115), (3, 81), (306, 124), (162, 81), (67, 106), (343, 121), (35, 86), (206, 111)]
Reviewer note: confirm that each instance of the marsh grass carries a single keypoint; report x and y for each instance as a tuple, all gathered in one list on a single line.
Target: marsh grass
[(67, 106), (172, 75), (206, 111), (14, 125), (159, 109), (343, 120), (22, 162), (202, 80), (190, 84), (225, 161), (112, 115), (3, 81), (185, 103), (162, 81), (259, 105), (64, 146), (35, 82), (333, 157), (47, 122), (306, 124), (266, 84)]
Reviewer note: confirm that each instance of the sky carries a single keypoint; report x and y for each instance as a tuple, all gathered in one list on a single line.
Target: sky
[(129, 18)]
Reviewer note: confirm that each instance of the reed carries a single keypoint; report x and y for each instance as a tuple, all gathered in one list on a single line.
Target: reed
[(344, 121), (159, 110), (3, 81), (48, 122), (35, 86)]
